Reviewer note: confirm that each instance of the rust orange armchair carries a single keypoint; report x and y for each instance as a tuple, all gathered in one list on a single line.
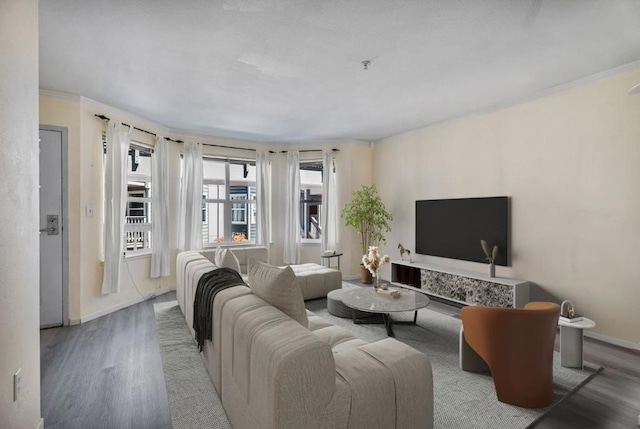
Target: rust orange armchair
[(516, 345)]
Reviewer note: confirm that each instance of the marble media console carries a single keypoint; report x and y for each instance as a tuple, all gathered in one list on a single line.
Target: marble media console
[(461, 286)]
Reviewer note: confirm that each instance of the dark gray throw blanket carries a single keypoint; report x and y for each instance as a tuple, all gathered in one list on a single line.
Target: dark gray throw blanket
[(209, 285)]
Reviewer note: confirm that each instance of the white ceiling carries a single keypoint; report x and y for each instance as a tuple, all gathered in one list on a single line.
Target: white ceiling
[(290, 70)]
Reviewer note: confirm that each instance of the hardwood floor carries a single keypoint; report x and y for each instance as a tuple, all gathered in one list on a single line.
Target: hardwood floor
[(107, 373), (611, 400)]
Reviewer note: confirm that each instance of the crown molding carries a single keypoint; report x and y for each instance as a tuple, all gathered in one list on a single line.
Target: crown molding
[(525, 99), (59, 95), (124, 116)]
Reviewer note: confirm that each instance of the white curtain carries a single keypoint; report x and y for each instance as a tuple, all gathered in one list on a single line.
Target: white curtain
[(262, 197), (190, 227), (292, 210), (329, 213), (115, 199), (160, 209)]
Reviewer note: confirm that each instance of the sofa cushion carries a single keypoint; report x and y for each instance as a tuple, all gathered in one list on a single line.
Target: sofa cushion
[(247, 255), (348, 345), (333, 335), (315, 281), (278, 287), (210, 254), (226, 258), (316, 322)]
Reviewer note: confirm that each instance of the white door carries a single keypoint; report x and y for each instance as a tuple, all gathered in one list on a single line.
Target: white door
[(52, 269)]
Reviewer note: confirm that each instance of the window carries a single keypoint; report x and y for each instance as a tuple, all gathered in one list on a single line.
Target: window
[(310, 200), (228, 201), (137, 228), (238, 211)]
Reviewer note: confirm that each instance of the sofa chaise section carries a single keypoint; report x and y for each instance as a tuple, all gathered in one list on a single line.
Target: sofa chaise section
[(316, 281)]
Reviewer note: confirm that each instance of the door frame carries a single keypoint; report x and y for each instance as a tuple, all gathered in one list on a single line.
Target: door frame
[(65, 216)]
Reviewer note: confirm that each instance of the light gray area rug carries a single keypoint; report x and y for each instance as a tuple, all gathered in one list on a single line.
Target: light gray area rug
[(461, 399), (193, 401)]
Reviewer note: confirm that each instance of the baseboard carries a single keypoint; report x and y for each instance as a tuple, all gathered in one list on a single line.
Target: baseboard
[(612, 340), (120, 306), (41, 424), (349, 278)]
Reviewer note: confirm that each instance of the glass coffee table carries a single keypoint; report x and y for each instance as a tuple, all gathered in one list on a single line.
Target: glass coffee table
[(368, 300)]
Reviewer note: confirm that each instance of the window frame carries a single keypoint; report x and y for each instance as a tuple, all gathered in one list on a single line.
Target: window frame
[(239, 200), (144, 228), (304, 202), (228, 201)]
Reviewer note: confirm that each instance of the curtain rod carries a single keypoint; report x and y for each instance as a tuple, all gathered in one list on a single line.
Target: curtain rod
[(253, 150), (230, 147), (310, 150), (244, 148), (104, 118)]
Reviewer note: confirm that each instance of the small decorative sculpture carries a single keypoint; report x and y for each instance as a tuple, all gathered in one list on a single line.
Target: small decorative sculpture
[(403, 251), (567, 309)]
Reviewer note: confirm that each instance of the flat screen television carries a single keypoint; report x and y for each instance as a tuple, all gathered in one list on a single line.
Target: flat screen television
[(453, 228)]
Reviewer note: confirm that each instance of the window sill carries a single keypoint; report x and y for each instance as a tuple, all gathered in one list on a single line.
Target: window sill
[(236, 244), (310, 242), (138, 255)]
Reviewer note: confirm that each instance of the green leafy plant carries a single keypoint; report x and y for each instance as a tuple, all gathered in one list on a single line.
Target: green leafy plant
[(367, 214)]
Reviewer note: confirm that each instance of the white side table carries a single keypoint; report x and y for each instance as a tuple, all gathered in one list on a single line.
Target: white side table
[(572, 341)]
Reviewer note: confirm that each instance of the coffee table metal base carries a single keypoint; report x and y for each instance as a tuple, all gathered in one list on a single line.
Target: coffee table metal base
[(383, 318)]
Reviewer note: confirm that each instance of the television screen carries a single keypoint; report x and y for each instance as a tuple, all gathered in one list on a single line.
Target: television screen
[(453, 228)]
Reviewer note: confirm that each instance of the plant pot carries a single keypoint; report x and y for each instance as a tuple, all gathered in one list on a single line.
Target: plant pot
[(365, 275)]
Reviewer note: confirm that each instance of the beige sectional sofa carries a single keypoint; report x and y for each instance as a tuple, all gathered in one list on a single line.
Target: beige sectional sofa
[(315, 281), (274, 371)]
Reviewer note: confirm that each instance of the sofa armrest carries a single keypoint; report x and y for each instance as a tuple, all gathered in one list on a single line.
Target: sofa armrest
[(391, 385)]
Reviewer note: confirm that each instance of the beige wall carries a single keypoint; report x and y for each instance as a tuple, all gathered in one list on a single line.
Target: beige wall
[(85, 188), (356, 170), (570, 163), (19, 239)]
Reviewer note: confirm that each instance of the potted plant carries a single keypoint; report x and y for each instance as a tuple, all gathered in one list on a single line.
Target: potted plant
[(367, 214)]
